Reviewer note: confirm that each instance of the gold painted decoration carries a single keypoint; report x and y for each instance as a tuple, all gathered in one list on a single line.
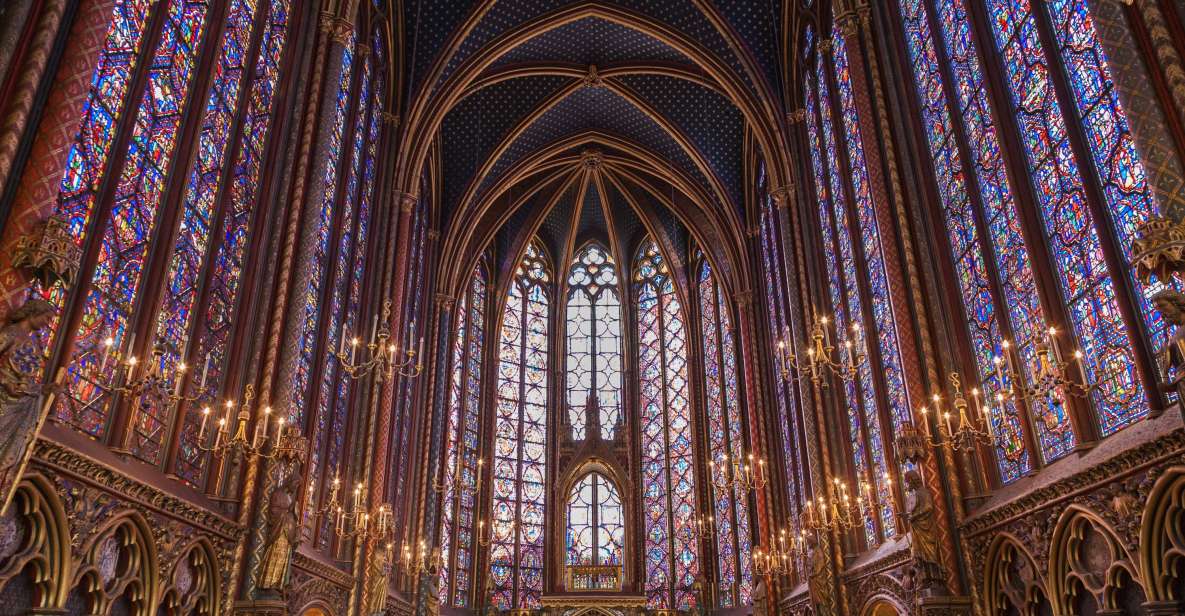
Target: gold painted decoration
[(48, 253), (1159, 249), (24, 400)]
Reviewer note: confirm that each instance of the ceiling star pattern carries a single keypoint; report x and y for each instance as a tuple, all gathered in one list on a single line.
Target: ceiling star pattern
[(470, 131), (593, 40), (595, 109)]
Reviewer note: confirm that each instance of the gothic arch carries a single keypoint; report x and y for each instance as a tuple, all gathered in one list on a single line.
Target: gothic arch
[(39, 544), (612, 471), (192, 585), (119, 562), (1087, 561), (1162, 537), (1011, 577)]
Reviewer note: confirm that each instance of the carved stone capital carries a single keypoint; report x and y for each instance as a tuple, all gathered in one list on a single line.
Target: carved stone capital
[(796, 116), (444, 301), (825, 45), (388, 118), (1159, 249), (912, 444), (433, 235), (848, 23), (781, 195), (744, 299), (338, 28), (407, 201)]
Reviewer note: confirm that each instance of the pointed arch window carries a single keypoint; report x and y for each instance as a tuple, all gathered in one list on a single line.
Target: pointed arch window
[(154, 83), (668, 482), (595, 522), (1088, 185), (593, 319), (730, 505), (461, 447), (520, 437), (842, 239)]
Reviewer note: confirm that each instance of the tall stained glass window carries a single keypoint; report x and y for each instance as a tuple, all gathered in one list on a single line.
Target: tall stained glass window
[(730, 505), (461, 447), (668, 482), (112, 201), (520, 437), (779, 326), (840, 242), (593, 341), (595, 533), (1057, 89)]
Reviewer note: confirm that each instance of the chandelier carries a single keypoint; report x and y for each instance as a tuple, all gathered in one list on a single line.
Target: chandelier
[(742, 475), (231, 434), (467, 490), (968, 434), (1055, 376), (819, 356), (838, 511), (781, 556), (379, 356)]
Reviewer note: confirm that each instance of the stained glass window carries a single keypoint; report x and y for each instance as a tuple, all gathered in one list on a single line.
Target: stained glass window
[(124, 236), (595, 523), (415, 316), (779, 327), (151, 415), (668, 483), (229, 244), (1079, 261), (520, 438), (839, 239), (593, 341), (1005, 249), (461, 447), (730, 505)]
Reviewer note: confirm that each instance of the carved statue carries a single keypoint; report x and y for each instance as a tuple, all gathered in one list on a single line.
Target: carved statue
[(699, 589), (376, 593), (283, 532), (24, 401), (923, 532), (817, 580), (760, 607), (1171, 306)]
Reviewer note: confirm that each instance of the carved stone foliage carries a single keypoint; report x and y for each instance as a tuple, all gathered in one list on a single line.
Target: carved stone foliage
[(1107, 539), (307, 590)]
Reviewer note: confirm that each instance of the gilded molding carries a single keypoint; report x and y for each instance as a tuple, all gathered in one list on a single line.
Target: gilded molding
[(59, 458), (332, 574)]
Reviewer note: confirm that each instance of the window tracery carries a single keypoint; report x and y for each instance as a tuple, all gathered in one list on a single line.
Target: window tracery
[(593, 318)]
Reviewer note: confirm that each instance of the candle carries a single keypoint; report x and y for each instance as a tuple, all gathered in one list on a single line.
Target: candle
[(205, 373), (946, 416), (219, 435), (205, 418), (107, 344), (374, 328), (826, 333), (1057, 353), (420, 353), (353, 349)]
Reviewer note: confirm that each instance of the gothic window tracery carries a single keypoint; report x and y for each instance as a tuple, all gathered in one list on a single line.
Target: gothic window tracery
[(520, 437), (595, 522), (668, 481), (593, 317)]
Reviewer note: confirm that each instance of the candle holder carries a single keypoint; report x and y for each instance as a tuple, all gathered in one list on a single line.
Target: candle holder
[(441, 487), (740, 475), (703, 527), (1055, 376), (968, 435), (133, 381), (782, 556), (380, 356), (839, 511), (417, 562), (230, 436), (355, 522), (484, 538), (819, 356)]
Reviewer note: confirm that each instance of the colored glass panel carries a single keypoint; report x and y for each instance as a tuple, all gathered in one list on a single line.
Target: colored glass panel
[(730, 505), (520, 439), (668, 488), (594, 341), (461, 446), (226, 270), (1116, 162), (127, 232), (1085, 284), (963, 229), (105, 103), (595, 533), (150, 416), (864, 427)]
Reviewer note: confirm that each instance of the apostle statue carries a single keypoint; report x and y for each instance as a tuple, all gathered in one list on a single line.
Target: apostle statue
[(24, 401), (817, 579), (760, 599), (923, 533), (1171, 305), (283, 532)]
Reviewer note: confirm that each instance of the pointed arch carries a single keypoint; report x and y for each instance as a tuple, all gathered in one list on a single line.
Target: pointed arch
[(593, 333), (668, 482)]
